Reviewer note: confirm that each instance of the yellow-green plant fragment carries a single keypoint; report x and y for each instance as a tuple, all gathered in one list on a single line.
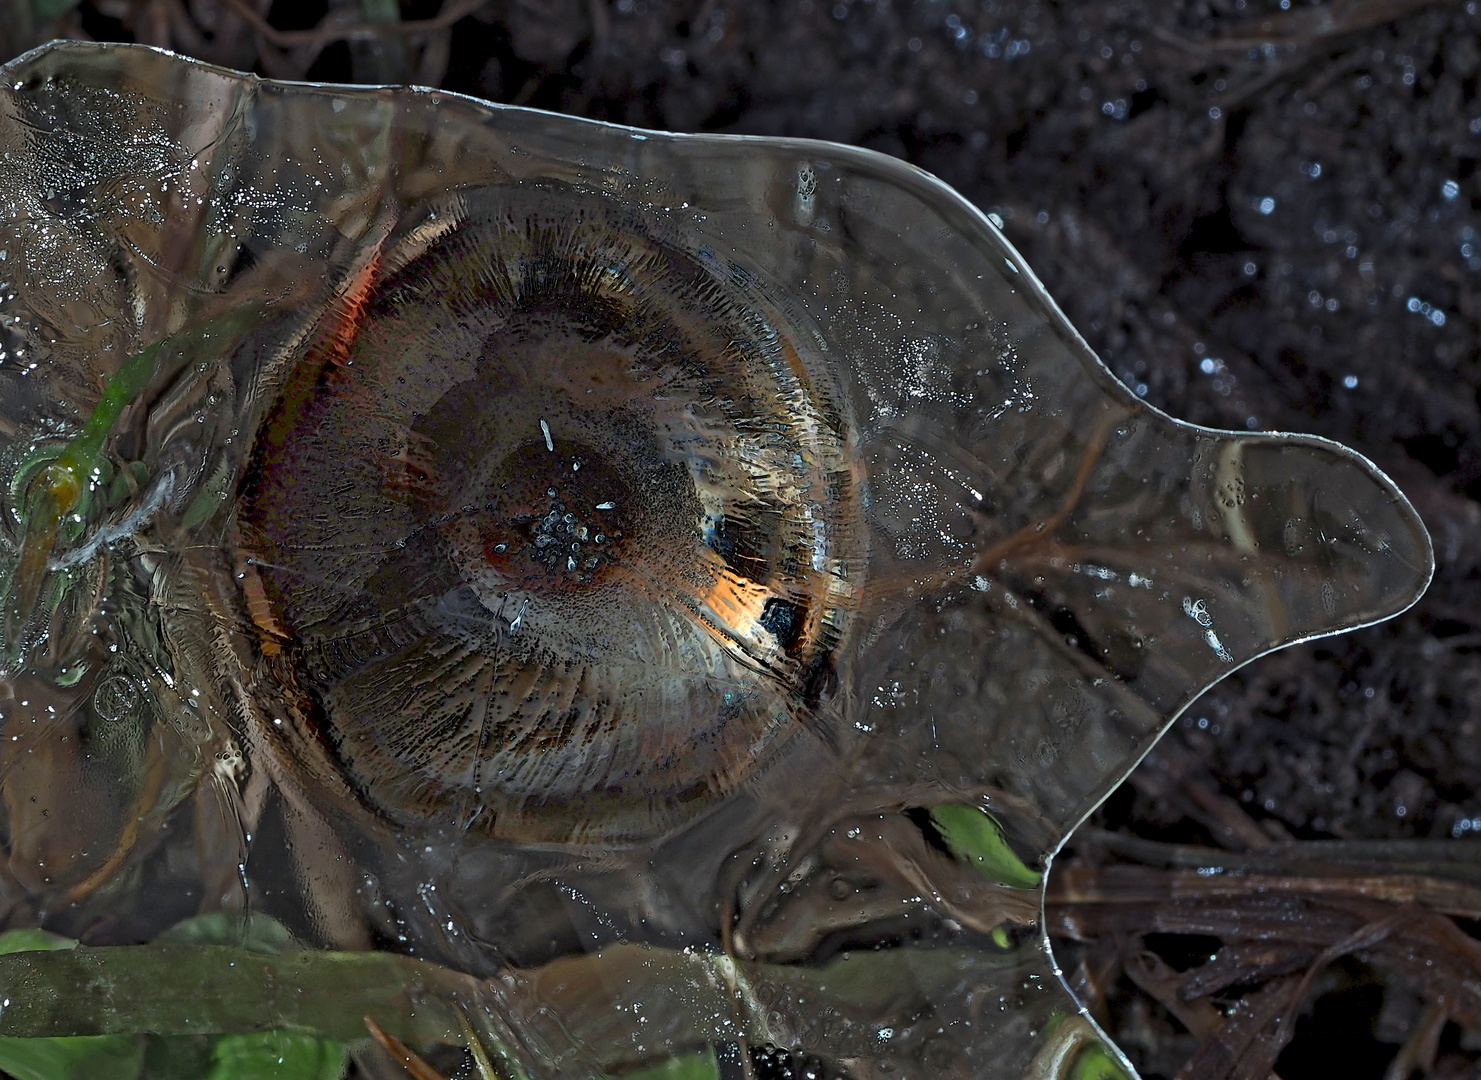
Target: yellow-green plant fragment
[(701, 1065), (974, 837), (1096, 1063)]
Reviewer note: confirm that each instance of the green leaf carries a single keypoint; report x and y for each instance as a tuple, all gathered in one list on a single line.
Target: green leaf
[(258, 933), (976, 838), (178, 1057), (33, 940), (85, 1057), (700, 1065), (1096, 1063), (277, 1055)]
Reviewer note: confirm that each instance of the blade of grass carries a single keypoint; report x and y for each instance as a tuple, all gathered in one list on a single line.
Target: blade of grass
[(213, 989)]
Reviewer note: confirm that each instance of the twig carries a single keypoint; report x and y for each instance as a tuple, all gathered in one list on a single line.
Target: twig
[(1263, 1058), (1045, 527), (1278, 911), (1155, 976), (1138, 885), (1418, 1051), (184, 30), (1171, 771), (317, 37), (1243, 962), (402, 1054), (1452, 860), (1243, 1035), (1303, 27)]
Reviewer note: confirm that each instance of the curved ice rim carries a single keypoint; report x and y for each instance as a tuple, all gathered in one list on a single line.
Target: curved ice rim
[(949, 203)]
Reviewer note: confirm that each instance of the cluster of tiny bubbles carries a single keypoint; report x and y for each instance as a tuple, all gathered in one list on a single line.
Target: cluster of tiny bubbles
[(1426, 309), (563, 541), (769, 1062), (115, 697)]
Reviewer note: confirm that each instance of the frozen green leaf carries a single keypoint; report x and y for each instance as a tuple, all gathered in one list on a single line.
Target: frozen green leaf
[(256, 932), (975, 837), (31, 939), (99, 1057), (277, 1055), (1096, 1063), (700, 1065), (178, 1057)]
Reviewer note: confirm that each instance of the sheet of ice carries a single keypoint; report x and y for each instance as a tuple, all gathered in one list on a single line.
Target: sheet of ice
[(573, 555)]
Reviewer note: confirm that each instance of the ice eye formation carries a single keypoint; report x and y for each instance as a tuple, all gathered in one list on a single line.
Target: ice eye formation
[(556, 523)]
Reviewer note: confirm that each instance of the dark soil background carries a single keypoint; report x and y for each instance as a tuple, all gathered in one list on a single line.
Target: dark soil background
[(1262, 214)]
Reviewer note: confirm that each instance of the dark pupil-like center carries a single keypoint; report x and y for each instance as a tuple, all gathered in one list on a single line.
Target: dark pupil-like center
[(555, 511)]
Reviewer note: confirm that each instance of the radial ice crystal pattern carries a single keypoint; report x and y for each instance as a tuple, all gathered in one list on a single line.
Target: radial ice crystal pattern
[(687, 587), (557, 521)]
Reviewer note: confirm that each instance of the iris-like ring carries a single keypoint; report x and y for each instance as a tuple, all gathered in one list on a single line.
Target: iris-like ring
[(555, 523)]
